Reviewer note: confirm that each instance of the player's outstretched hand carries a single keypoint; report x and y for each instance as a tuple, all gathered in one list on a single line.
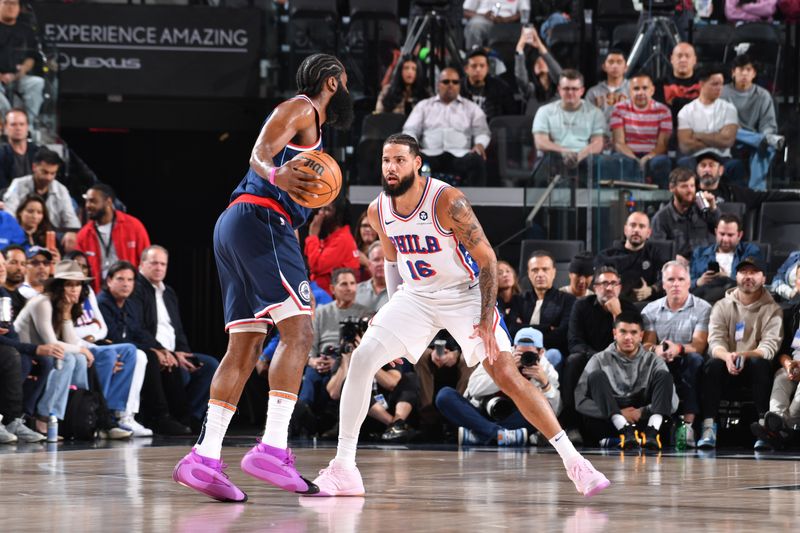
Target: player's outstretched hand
[(486, 334), (291, 179)]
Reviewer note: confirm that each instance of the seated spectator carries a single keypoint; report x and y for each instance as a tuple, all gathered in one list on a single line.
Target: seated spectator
[(365, 236), (490, 93), (16, 357), (43, 182), (34, 220), (570, 129), (48, 319), (10, 231), (758, 127), (709, 123), (781, 422), (16, 155), (509, 297), (681, 220), (371, 293), (441, 365), (316, 412), (591, 326), (120, 367), (407, 88), (109, 235), (16, 270), (710, 172), (676, 328), (481, 15), (714, 266), (744, 334), (328, 317), (615, 88), (124, 320), (626, 389), (640, 131), (540, 84), (394, 403), (452, 131), (20, 49), (329, 244), (483, 416), (681, 85), (581, 273), (546, 308), (750, 10), (784, 284), (637, 260), (40, 262), (161, 319)]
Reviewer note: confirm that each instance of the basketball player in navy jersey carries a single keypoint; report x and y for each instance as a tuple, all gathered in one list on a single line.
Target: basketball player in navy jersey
[(436, 250), (263, 279)]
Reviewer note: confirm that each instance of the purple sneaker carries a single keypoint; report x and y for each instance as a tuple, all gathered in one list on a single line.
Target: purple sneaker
[(276, 467), (207, 476)]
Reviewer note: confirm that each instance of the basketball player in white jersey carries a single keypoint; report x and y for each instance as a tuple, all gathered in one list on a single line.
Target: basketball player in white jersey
[(438, 254)]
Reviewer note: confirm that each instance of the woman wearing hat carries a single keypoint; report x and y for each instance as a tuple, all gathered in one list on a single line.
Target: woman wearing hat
[(49, 318)]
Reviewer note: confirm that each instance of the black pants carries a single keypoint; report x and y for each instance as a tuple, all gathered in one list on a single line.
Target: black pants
[(38, 367), (471, 167), (162, 392), (568, 382), (757, 373), (10, 384), (658, 395)]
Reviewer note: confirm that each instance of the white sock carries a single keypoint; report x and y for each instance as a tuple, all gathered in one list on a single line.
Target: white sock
[(218, 416), (564, 447), (619, 421), (279, 413), (655, 421), (346, 452)]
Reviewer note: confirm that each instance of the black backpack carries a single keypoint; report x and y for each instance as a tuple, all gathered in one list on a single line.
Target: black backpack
[(80, 418)]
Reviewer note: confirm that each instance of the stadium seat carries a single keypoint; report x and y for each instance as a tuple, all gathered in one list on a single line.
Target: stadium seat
[(710, 42), (565, 44), (373, 35), (763, 45), (312, 28), (779, 225), (374, 130), (624, 36), (503, 41), (511, 137)]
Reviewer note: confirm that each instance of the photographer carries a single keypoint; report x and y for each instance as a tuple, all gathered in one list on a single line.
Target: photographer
[(328, 317), (484, 416), (441, 365)]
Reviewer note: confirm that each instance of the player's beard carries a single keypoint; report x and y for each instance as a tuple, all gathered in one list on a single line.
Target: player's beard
[(339, 112), (403, 185)]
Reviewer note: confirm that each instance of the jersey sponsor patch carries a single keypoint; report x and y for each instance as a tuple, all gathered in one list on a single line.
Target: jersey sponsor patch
[(304, 290)]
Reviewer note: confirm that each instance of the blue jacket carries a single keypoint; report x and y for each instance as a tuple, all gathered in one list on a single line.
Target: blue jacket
[(703, 255), (10, 231), (780, 283)]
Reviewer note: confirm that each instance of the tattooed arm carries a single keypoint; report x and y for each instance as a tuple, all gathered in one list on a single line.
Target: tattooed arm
[(454, 213)]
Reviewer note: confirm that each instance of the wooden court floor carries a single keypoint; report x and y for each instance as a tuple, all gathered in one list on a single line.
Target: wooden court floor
[(128, 487)]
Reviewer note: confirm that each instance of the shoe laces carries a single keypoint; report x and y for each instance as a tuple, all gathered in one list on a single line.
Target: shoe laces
[(289, 459), (581, 468)]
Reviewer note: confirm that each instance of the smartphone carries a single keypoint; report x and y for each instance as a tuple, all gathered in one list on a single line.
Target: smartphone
[(50, 240), (713, 266), (738, 362)]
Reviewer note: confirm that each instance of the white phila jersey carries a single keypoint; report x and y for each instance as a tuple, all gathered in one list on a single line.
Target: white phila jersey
[(429, 258)]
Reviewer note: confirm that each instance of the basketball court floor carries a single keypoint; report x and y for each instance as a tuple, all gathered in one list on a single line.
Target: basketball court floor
[(127, 487)]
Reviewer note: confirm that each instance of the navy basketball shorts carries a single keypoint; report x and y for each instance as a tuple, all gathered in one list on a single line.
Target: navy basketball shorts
[(261, 268)]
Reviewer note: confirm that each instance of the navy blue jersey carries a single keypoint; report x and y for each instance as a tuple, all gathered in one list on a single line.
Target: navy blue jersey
[(254, 184)]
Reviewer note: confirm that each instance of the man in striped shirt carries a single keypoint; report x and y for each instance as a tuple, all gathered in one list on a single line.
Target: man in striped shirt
[(641, 128)]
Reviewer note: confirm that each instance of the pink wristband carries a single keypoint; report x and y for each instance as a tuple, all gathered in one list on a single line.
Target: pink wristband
[(271, 178)]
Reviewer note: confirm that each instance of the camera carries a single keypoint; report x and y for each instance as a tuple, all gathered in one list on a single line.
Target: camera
[(497, 407), (529, 359), (349, 329)]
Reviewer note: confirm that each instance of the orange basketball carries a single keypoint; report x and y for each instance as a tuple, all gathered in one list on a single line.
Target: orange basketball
[(330, 176)]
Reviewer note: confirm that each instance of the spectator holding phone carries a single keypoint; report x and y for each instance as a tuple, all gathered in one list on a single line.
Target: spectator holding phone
[(714, 266), (162, 319), (744, 335)]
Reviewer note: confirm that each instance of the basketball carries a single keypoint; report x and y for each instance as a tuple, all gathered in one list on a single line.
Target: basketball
[(330, 176)]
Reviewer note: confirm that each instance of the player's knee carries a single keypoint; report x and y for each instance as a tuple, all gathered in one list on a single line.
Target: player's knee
[(508, 378), (369, 354), (298, 334)]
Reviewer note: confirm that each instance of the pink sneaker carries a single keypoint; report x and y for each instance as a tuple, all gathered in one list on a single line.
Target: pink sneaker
[(276, 467), (587, 479), (338, 481), (207, 476)]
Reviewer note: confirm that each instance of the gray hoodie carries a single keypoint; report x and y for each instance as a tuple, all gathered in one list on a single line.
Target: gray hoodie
[(763, 324), (629, 376)]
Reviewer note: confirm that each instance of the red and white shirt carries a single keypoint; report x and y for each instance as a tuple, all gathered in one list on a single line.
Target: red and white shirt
[(642, 126)]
